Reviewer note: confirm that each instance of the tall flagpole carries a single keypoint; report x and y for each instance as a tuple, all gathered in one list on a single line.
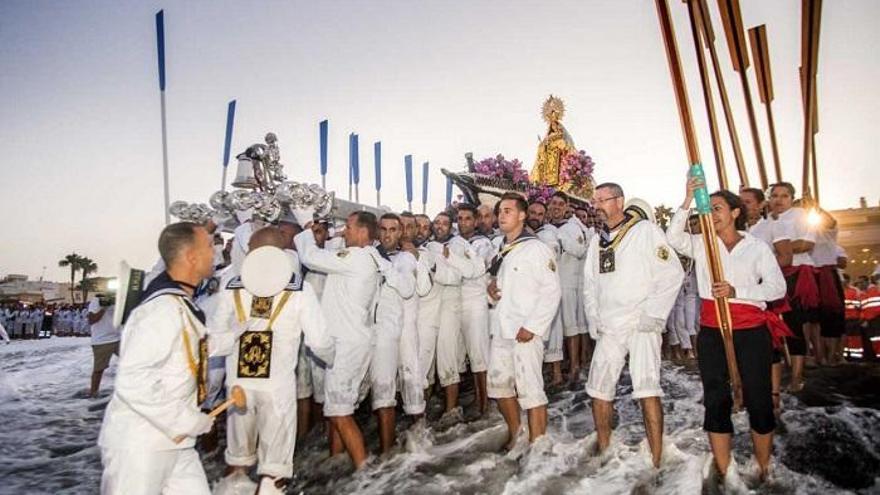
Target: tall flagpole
[(350, 164), (377, 162), (704, 206), (695, 18), (425, 167), (160, 45), (408, 173), (356, 168), (733, 27), (761, 55), (810, 23), (322, 137), (227, 142), (709, 34), (448, 191)]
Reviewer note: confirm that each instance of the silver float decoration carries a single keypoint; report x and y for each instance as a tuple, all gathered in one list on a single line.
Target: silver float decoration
[(261, 188)]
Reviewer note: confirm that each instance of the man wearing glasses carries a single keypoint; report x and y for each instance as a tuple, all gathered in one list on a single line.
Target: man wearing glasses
[(631, 280)]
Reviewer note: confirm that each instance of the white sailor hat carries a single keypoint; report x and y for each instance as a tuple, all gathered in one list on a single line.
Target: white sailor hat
[(640, 207), (266, 271)]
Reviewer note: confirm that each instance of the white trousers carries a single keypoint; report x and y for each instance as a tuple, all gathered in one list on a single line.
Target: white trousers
[(166, 472), (680, 323), (383, 370), (262, 435), (610, 355), (412, 379), (303, 373), (571, 324), (3, 334), (342, 384), (439, 341), (553, 339), (515, 371), (475, 328)]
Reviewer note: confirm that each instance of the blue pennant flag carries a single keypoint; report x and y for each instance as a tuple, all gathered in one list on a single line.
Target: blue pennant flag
[(377, 159), (322, 132), (350, 158), (356, 161), (160, 44), (425, 183), (230, 119), (407, 169), (448, 191)]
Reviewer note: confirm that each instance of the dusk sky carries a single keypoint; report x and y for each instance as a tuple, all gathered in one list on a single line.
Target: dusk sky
[(80, 124)]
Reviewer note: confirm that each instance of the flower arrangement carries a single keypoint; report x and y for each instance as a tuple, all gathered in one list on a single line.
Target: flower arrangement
[(577, 169), (502, 168), (540, 193)]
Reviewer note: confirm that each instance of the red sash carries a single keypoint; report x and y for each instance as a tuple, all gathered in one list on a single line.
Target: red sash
[(746, 316), (806, 291), (828, 289)]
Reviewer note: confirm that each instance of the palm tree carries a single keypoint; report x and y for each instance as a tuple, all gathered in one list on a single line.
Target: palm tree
[(87, 266), (72, 260)]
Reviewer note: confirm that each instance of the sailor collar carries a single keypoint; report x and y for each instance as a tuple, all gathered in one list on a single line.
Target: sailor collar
[(295, 284), (165, 285)]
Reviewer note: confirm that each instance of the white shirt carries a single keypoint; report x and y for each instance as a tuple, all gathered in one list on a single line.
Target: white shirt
[(573, 241), (530, 290), (749, 267), (795, 220), (300, 316), (825, 251), (461, 263), (548, 235), (646, 279), (154, 399), (475, 286), (353, 276), (399, 284), (103, 331), (771, 231)]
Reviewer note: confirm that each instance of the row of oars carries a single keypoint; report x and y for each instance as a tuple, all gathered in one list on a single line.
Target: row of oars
[(701, 29)]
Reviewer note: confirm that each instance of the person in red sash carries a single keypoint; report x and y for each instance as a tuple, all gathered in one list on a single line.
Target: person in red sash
[(800, 278), (777, 235), (752, 277), (869, 303)]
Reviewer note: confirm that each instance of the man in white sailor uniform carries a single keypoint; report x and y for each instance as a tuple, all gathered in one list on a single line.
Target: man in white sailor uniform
[(311, 372), (454, 261), (549, 235), (278, 310), (353, 277), (397, 285), (474, 309), (411, 377), (161, 374), (525, 290), (632, 278), (573, 239)]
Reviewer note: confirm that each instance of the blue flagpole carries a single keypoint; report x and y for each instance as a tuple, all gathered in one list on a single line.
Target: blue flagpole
[(377, 160), (227, 144), (424, 187), (407, 169), (356, 170), (160, 46), (448, 191), (350, 163), (322, 133)]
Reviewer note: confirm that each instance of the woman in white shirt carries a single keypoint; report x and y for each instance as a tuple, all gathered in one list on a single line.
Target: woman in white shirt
[(752, 278)]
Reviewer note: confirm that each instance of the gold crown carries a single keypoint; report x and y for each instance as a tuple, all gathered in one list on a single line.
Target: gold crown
[(553, 109)]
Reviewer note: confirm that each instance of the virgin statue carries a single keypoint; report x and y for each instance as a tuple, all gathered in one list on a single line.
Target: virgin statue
[(555, 145)]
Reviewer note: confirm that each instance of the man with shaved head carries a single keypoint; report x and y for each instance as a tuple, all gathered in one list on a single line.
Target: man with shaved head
[(264, 362)]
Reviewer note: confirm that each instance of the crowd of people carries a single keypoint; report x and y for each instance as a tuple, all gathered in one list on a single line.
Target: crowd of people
[(33, 321), (400, 307)]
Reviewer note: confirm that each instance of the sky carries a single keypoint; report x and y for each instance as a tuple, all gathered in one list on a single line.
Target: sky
[(80, 111)]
